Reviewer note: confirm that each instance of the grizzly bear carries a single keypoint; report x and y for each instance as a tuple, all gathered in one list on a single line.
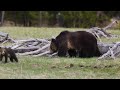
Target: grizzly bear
[(7, 52), (79, 42)]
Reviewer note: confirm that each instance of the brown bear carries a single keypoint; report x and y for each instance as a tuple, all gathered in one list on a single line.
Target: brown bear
[(7, 52), (79, 42)]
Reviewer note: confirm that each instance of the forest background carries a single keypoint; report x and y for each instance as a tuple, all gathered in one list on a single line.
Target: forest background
[(67, 19)]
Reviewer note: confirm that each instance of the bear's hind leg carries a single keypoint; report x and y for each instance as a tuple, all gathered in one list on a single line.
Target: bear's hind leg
[(6, 58), (11, 59), (81, 54), (16, 59)]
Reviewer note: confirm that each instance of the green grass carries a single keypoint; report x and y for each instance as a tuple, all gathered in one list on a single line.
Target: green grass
[(56, 68), (31, 32)]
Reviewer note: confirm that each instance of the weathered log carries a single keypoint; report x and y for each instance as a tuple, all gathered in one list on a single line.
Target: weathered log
[(37, 51), (41, 54), (113, 52), (29, 43), (11, 40), (54, 54), (26, 49), (104, 47), (3, 42), (16, 46), (101, 32), (107, 34), (33, 40), (95, 34), (3, 34)]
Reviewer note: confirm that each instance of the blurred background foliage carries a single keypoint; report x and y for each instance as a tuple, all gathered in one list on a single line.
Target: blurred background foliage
[(68, 19)]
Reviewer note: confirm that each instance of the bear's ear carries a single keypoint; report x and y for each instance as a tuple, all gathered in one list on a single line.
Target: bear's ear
[(53, 40)]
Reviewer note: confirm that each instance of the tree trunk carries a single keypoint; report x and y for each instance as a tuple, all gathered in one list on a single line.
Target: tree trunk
[(15, 20), (25, 21), (40, 18), (2, 17)]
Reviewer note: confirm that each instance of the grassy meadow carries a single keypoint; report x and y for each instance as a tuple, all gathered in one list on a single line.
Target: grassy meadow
[(56, 68)]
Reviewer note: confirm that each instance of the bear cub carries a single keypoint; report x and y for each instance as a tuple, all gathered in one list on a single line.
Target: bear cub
[(7, 52)]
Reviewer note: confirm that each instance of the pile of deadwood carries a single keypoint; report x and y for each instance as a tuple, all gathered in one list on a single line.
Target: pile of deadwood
[(40, 47)]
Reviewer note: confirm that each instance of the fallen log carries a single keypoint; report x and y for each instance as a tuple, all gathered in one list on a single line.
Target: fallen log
[(36, 51), (29, 43), (4, 36), (112, 53), (54, 54), (101, 32), (26, 49), (104, 47), (33, 40), (42, 54)]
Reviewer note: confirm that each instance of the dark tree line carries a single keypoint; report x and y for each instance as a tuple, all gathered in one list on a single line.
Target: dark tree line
[(83, 19)]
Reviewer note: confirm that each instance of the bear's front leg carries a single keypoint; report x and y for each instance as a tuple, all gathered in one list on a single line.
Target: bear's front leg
[(1, 57), (62, 52)]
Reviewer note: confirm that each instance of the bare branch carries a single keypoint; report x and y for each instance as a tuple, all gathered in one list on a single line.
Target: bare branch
[(110, 25), (112, 52), (37, 51), (41, 54), (53, 54)]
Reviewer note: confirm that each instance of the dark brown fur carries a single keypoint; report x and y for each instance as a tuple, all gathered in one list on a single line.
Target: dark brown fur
[(81, 42), (7, 52)]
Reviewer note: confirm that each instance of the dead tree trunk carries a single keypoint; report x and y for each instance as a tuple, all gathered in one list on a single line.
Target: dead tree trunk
[(112, 52), (2, 17), (101, 32)]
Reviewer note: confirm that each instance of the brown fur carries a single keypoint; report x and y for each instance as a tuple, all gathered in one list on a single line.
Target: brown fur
[(7, 52), (72, 42), (69, 45)]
